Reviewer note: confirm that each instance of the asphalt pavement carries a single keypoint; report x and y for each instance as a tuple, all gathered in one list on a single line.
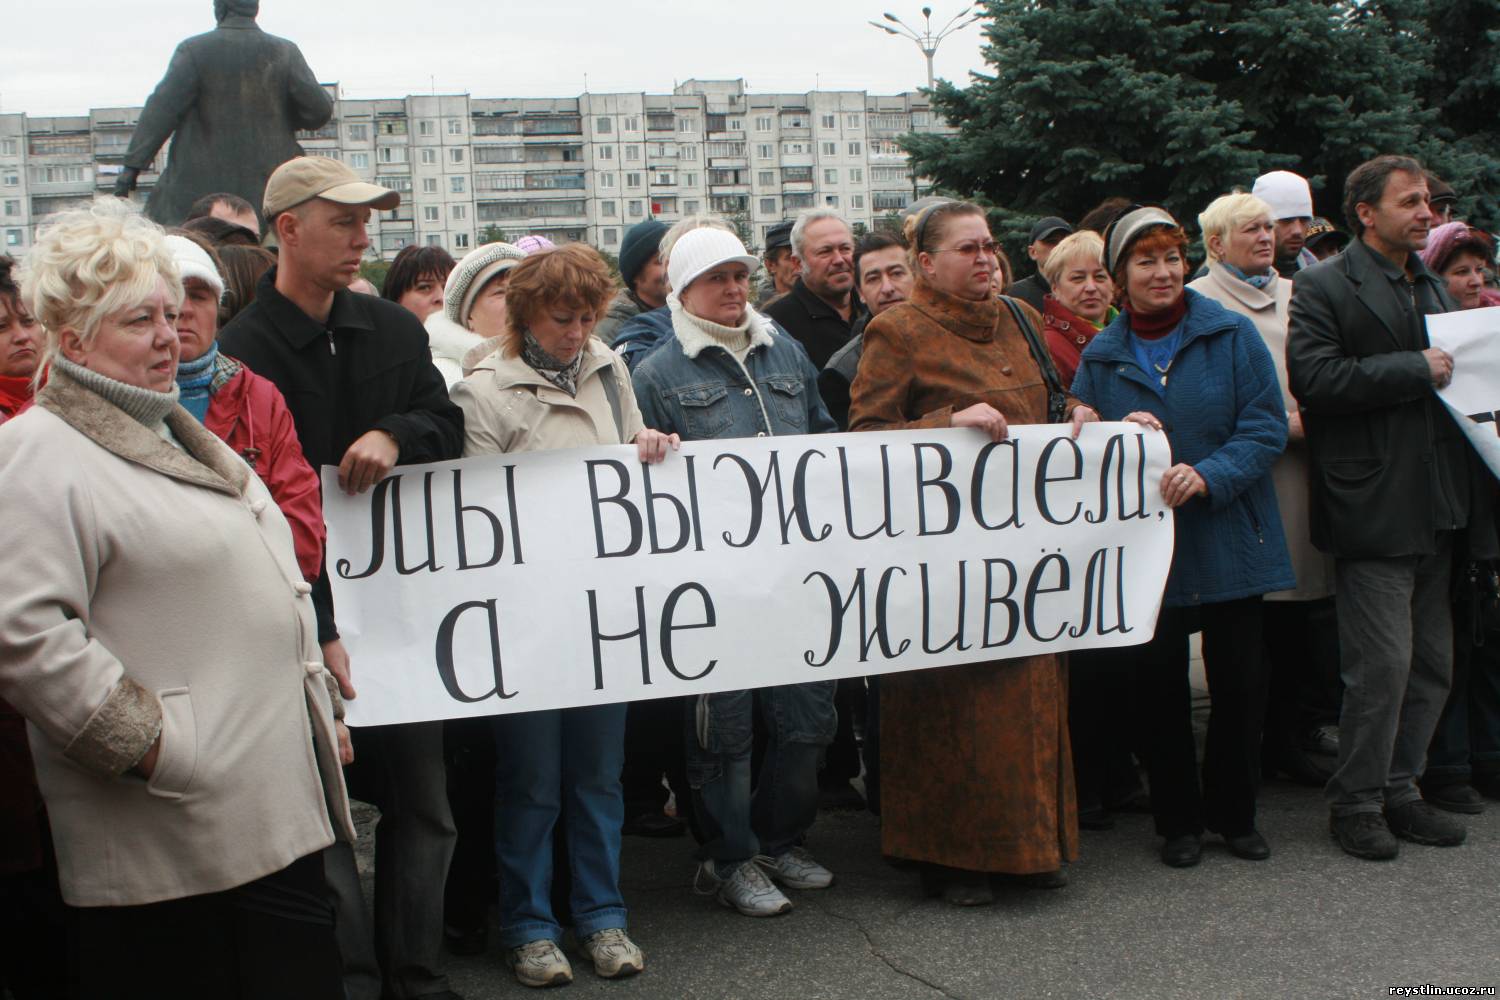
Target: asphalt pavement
[(1310, 922)]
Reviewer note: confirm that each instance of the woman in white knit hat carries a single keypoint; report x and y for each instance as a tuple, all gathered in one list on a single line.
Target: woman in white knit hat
[(729, 372), (473, 315)]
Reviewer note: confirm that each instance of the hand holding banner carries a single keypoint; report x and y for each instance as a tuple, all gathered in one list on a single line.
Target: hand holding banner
[(512, 583), (1472, 337)]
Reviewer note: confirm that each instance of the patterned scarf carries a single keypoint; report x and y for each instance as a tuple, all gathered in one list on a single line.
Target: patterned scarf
[(195, 379), (1253, 280), (563, 374)]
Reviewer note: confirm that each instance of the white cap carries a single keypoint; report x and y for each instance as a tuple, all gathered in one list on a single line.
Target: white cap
[(1287, 194), (194, 262), (702, 250)]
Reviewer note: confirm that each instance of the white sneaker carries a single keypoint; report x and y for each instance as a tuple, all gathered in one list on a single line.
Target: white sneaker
[(796, 869), (613, 953), (540, 963), (745, 889)]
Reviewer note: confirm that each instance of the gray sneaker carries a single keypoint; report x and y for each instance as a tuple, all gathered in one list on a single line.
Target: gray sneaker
[(745, 889), (540, 963), (613, 953), (796, 869)]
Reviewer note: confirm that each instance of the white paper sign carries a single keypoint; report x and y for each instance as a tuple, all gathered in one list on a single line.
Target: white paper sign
[(1472, 336), (511, 583)]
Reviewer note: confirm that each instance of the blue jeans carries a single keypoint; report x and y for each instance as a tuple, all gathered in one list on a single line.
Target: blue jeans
[(560, 763), (738, 825)]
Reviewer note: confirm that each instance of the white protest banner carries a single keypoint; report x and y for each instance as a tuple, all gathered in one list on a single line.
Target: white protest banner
[(1472, 336), (511, 583)]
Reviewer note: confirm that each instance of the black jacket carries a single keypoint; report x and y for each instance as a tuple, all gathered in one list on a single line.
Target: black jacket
[(1390, 468), (1031, 291), (368, 368), (813, 323)]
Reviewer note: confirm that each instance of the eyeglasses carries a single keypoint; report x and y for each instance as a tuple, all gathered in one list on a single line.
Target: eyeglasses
[(989, 248)]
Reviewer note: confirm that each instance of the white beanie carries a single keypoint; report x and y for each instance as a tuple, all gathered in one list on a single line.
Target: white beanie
[(194, 262), (702, 250), (468, 279), (1287, 194)]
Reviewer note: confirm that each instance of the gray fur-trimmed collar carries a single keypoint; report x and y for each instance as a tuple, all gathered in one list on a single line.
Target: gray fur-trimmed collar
[(694, 339), (203, 459)]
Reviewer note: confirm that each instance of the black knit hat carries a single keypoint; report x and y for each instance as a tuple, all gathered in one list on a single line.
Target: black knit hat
[(641, 241)]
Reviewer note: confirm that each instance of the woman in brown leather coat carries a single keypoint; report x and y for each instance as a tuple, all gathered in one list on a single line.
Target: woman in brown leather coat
[(976, 775)]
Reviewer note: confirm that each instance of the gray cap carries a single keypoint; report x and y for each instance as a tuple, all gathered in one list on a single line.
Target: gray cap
[(1129, 227)]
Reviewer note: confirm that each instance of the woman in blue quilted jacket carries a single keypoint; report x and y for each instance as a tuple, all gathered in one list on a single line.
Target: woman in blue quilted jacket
[(1181, 364)]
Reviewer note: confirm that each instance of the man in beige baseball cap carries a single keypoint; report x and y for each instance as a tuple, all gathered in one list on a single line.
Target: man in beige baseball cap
[(299, 181)]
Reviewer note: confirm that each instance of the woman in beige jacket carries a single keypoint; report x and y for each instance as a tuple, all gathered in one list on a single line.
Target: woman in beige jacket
[(1300, 627), (159, 639), (551, 384)]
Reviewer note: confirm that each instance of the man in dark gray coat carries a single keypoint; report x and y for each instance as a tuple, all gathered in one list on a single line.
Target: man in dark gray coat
[(233, 98), (1393, 485)]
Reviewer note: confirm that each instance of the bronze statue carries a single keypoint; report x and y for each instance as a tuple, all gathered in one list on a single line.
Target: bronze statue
[(233, 99)]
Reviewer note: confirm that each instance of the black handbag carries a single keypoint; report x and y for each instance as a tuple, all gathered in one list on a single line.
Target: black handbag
[(1057, 397)]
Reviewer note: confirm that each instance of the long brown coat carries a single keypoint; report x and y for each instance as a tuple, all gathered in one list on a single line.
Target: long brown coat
[(976, 771)]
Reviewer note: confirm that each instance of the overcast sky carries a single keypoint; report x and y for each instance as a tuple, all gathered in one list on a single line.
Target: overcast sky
[(65, 56)]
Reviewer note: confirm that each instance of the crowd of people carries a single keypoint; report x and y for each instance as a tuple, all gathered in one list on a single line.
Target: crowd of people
[(173, 758)]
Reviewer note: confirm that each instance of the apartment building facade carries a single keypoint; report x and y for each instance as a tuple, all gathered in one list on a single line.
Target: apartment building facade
[(583, 168)]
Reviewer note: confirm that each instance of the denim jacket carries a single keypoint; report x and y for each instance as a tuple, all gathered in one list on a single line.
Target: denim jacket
[(692, 386)]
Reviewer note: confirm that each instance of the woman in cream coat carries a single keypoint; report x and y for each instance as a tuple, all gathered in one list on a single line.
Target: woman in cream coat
[(159, 639), (1301, 631)]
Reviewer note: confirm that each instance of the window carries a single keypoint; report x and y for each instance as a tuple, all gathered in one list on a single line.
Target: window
[(856, 175), (456, 184), (456, 155), (793, 148), (632, 180), (402, 184), (606, 152), (397, 127), (764, 151), (830, 121), (889, 174), (458, 212), (359, 133), (632, 152), (57, 175), (394, 241), (425, 127), (611, 237), (768, 206), (763, 123), (608, 208), (13, 207), (455, 126), (832, 201), (690, 180), (461, 241), (12, 237), (685, 124), (635, 209), (856, 149), (690, 207), (633, 123), (766, 178), (688, 153), (607, 180), (856, 201), (921, 119), (854, 121), (499, 154), (429, 213), (794, 120), (736, 149), (797, 175), (435, 240), (429, 185), (830, 177), (661, 149), (12, 180), (499, 182), (830, 149), (736, 124), (659, 121), (603, 126), (429, 156), (327, 154), (664, 179)]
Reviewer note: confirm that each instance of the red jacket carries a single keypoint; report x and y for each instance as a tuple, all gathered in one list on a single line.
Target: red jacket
[(249, 414)]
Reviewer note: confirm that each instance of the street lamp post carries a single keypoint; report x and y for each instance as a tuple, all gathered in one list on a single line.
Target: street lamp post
[(928, 40)]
